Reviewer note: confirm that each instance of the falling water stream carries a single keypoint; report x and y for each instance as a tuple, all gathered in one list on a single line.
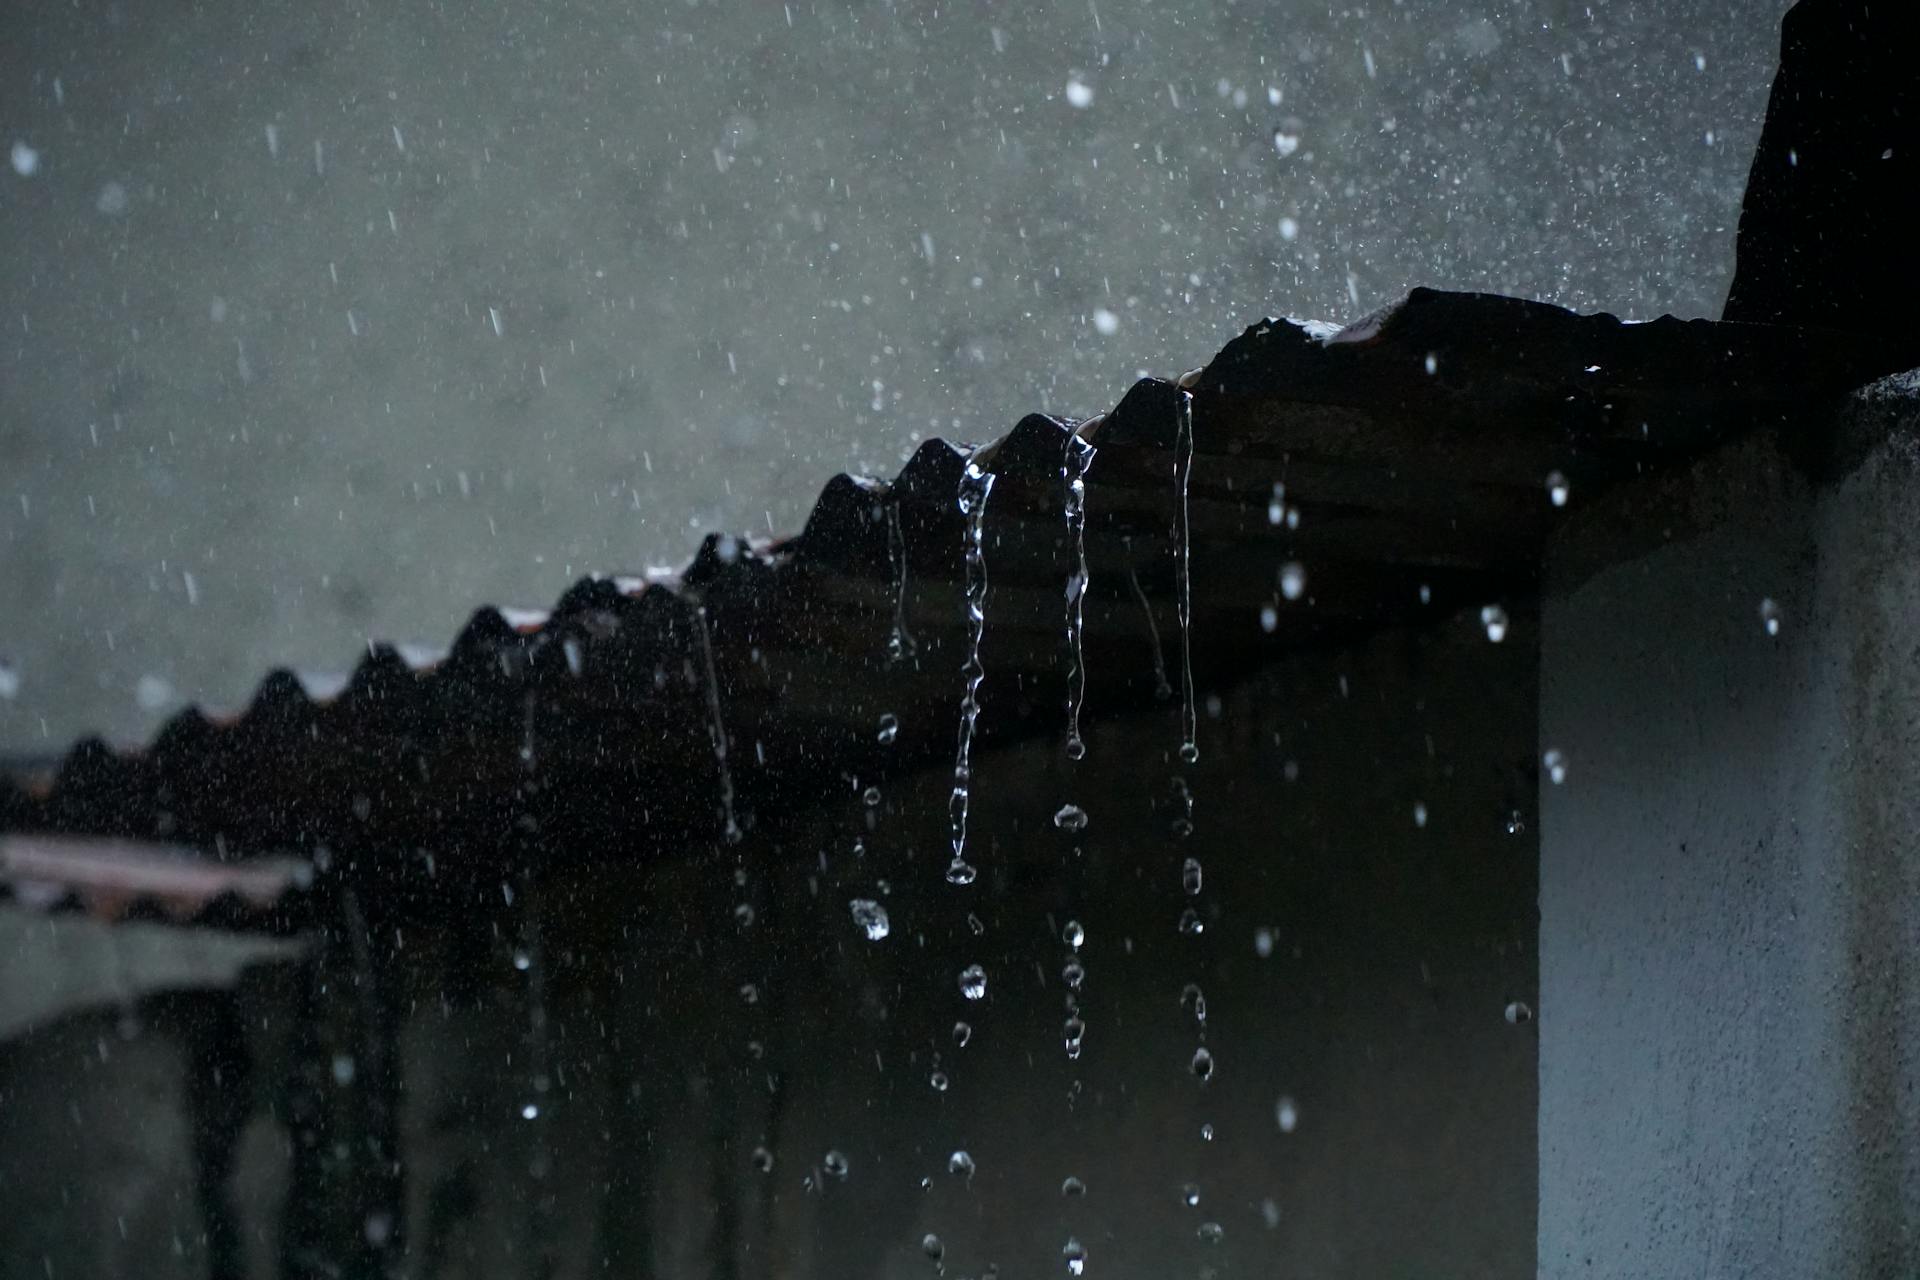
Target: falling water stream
[(1182, 473), (975, 486), (716, 725), (900, 644), (1078, 456)]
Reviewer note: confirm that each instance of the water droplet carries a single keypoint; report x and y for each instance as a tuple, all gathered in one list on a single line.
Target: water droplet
[(522, 961), (1269, 618), (1191, 997), (1433, 364), (1182, 569), (976, 486), (1071, 817), (1105, 322), (377, 1229), (1420, 813), (889, 729), (962, 1032), (1073, 935), (939, 1081), (1519, 1012), (1494, 619), (1072, 1034), (835, 1163), (762, 1160), (749, 993), (1516, 823), (26, 160), (960, 872), (1211, 1233), (1277, 505), (1270, 1213), (1190, 876), (1073, 974), (960, 1164), (931, 1246), (1263, 942), (871, 917), (871, 796), (1556, 762), (1202, 1064), (1557, 489), (1770, 616), (1190, 923), (1072, 1186), (1190, 752), (1076, 1255), (1079, 93), (1286, 1114), (1286, 141), (973, 982), (1293, 580), (1206, 1132), (975, 923), (343, 1069), (530, 1111)]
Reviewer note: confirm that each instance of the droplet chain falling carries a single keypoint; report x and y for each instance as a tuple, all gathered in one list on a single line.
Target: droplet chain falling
[(1182, 473), (716, 725), (975, 486), (1073, 469)]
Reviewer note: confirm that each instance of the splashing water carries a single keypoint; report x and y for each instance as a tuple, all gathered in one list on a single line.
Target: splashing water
[(716, 725), (1182, 473), (900, 644), (1073, 469), (975, 486)]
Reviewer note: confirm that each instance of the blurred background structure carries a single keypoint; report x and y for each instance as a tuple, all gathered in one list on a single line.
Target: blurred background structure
[(329, 324)]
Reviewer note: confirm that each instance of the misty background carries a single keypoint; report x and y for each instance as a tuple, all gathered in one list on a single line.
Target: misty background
[(328, 323)]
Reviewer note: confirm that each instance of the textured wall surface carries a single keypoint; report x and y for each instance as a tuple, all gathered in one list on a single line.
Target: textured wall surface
[(328, 323), (672, 1020), (1728, 1028)]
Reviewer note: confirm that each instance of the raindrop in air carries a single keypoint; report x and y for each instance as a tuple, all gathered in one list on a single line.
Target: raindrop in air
[(1420, 813), (962, 1032), (1071, 817), (762, 1160), (835, 1164), (1191, 997), (871, 797), (1494, 619), (960, 1165), (1202, 1064), (1277, 505), (1516, 823), (1191, 924), (1286, 141), (1073, 973), (1072, 1035), (1076, 1255), (1079, 93), (959, 871), (871, 917), (1557, 489), (1190, 876), (939, 1081), (1293, 580), (1770, 616), (1556, 762), (1073, 935), (1269, 618), (889, 729), (1190, 1195), (530, 1111), (931, 1246), (1519, 1013), (1286, 1115), (973, 982), (343, 1070), (26, 160), (1263, 942), (1072, 1186)]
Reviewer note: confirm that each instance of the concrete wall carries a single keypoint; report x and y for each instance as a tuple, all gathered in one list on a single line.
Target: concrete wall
[(1729, 1038)]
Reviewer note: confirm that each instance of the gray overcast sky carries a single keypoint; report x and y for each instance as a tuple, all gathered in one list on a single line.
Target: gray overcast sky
[(329, 326)]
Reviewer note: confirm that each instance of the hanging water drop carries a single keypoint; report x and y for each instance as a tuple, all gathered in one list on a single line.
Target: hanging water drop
[(871, 917), (976, 486), (1073, 469), (1182, 473), (973, 982), (1191, 876), (1070, 817)]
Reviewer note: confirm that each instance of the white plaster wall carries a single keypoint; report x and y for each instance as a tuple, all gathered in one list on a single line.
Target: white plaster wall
[(1730, 880)]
